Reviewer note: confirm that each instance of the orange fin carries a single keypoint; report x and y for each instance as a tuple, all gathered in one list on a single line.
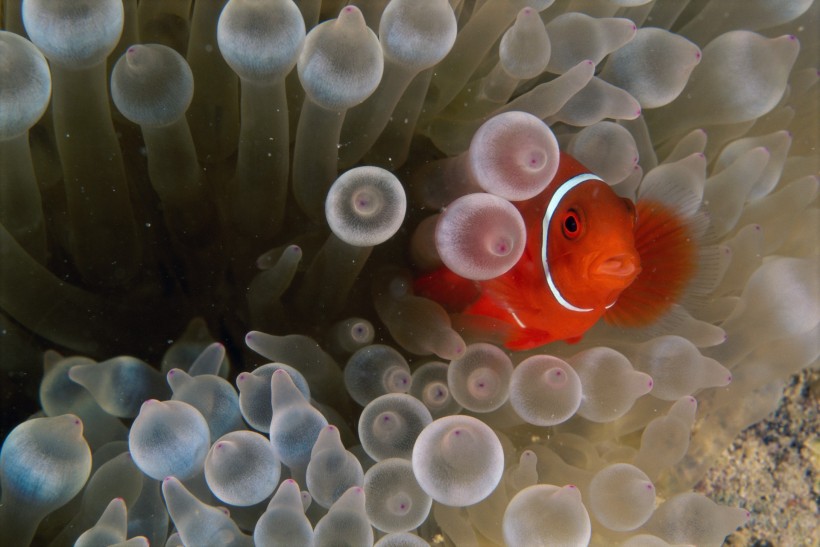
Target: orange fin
[(668, 247), (525, 339), (501, 295), (452, 291), (486, 305), (484, 328)]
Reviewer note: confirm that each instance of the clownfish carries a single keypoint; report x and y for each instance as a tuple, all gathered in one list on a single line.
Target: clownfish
[(589, 254)]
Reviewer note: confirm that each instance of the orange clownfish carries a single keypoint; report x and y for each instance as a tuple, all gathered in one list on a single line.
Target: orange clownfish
[(589, 254)]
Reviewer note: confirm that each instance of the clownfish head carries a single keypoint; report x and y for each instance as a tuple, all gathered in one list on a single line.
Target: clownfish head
[(588, 246)]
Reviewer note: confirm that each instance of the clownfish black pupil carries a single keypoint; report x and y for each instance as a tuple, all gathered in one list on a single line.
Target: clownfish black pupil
[(571, 227)]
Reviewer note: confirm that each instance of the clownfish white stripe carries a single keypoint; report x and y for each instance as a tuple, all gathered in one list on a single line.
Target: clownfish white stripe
[(551, 207)]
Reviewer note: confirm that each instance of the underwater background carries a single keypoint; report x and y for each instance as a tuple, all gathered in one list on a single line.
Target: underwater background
[(166, 247)]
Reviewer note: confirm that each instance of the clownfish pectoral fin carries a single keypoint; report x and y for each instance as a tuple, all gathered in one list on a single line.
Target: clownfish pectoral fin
[(484, 328), (668, 248), (452, 291), (506, 293)]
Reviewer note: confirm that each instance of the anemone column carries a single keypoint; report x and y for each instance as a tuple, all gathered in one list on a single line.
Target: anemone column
[(26, 82), (103, 233), (261, 41), (354, 52)]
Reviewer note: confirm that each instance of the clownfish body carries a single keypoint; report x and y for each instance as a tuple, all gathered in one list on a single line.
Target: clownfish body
[(589, 254)]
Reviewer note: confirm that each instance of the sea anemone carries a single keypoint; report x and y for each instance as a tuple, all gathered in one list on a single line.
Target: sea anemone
[(202, 195)]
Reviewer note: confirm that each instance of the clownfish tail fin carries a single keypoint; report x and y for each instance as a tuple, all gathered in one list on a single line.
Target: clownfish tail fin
[(670, 245)]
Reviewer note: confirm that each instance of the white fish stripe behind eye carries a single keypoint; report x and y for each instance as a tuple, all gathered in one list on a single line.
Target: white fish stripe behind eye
[(551, 207)]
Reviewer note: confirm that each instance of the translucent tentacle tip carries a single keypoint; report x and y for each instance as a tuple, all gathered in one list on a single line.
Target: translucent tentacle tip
[(548, 515), (152, 85), (417, 34), (393, 498), (390, 424), (365, 206), (25, 85), (169, 438), (545, 390), (342, 61), (44, 462), (261, 39), (479, 380), (480, 236), (458, 460), (77, 34), (514, 155)]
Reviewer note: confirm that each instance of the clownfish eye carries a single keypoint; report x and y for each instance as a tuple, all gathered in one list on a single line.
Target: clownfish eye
[(571, 225)]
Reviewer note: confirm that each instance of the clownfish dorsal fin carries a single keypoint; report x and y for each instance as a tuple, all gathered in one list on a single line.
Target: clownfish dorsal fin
[(668, 245)]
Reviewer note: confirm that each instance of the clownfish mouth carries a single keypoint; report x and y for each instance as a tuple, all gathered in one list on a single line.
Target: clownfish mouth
[(622, 267)]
